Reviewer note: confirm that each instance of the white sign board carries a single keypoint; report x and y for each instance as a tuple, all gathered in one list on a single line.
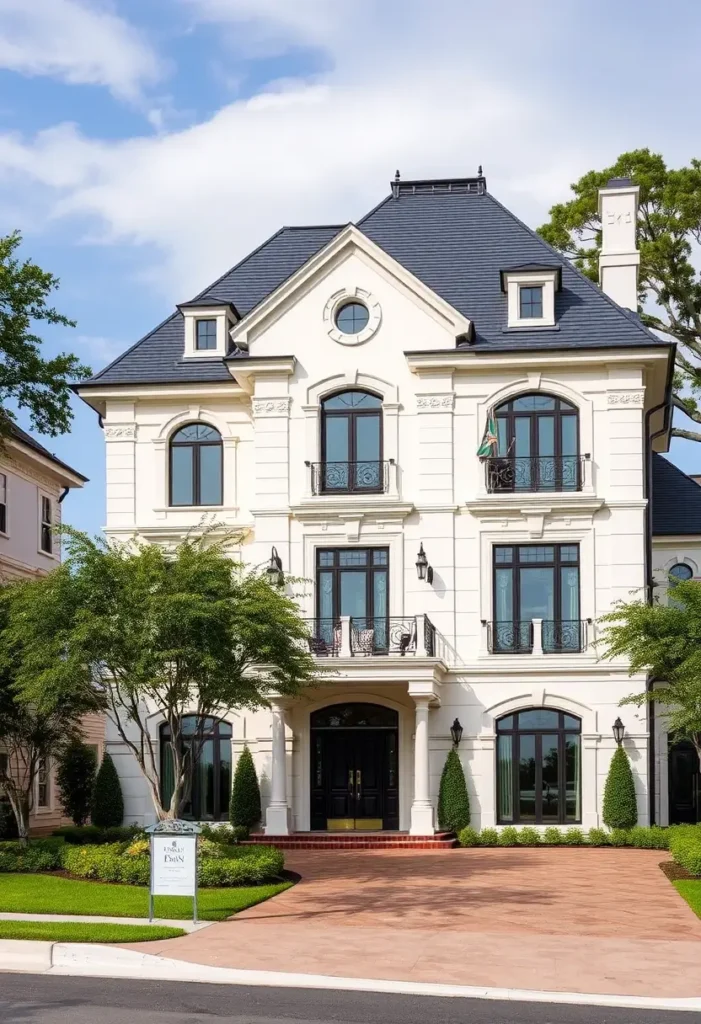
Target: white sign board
[(173, 865)]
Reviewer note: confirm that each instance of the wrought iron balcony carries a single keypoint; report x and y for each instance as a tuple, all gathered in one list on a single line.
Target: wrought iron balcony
[(567, 636), (510, 637), (349, 477), (506, 474), (324, 637), (392, 636)]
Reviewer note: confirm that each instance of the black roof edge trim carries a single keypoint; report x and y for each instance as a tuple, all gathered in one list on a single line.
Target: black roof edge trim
[(204, 303), (490, 350), (257, 359), (141, 383)]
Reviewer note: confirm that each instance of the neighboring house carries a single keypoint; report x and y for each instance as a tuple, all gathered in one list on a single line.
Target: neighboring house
[(33, 484), (327, 398)]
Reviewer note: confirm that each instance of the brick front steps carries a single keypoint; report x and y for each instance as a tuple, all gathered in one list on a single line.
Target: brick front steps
[(354, 841)]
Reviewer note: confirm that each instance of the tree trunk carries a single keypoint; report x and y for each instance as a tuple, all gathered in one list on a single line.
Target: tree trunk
[(19, 802)]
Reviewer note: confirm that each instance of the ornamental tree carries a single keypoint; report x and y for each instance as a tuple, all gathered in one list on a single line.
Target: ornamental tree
[(244, 808), (26, 378), (453, 799), (669, 232), (620, 806), (167, 633), (107, 810)]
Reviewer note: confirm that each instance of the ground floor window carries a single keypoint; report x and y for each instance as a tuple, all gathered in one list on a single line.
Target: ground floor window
[(211, 785), (539, 768)]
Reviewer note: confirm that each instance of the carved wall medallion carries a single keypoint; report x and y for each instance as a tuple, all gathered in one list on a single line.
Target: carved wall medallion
[(435, 402), (124, 433), (636, 398), (271, 406)]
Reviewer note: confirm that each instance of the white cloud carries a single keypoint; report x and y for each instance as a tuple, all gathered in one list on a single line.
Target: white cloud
[(76, 43)]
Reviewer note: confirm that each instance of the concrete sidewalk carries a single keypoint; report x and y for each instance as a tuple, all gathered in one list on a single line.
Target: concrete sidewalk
[(561, 920)]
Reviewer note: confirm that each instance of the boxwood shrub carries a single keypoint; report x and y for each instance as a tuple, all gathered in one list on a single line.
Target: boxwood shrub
[(655, 837), (685, 847), (92, 835), (37, 855), (529, 837)]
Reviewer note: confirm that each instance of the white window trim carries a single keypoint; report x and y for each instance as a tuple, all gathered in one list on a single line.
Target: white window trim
[(515, 280), (224, 318), (54, 520)]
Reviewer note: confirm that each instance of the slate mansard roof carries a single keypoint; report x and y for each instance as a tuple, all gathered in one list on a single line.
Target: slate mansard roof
[(676, 500), (452, 235)]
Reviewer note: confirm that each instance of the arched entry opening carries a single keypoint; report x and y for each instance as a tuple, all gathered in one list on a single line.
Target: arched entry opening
[(354, 768)]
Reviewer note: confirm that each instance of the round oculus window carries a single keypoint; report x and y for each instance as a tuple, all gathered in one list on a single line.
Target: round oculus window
[(352, 318)]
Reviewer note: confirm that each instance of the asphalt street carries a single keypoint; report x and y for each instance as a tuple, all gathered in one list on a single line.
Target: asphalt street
[(37, 999)]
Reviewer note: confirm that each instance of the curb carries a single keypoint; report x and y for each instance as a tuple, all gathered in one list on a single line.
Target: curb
[(93, 960)]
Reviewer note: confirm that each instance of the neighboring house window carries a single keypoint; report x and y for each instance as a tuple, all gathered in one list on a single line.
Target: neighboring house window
[(677, 573), (351, 443), (536, 581), (3, 503), (47, 537), (530, 302), (539, 768), (211, 785), (4, 763), (206, 335), (196, 466), (538, 446), (43, 783)]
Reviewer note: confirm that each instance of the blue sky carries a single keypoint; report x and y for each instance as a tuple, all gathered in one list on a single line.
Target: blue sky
[(147, 145)]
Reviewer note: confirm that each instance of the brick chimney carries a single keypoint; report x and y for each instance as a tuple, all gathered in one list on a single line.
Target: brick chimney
[(619, 259)]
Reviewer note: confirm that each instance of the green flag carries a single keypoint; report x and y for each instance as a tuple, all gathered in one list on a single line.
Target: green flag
[(490, 440)]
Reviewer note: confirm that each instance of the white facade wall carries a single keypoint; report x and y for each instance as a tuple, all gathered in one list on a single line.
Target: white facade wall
[(433, 416)]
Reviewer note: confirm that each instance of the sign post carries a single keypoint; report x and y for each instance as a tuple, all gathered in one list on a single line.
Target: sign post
[(173, 861)]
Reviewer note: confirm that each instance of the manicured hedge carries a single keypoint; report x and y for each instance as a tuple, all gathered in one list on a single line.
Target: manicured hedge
[(685, 847), (225, 835), (37, 855), (84, 835), (654, 838)]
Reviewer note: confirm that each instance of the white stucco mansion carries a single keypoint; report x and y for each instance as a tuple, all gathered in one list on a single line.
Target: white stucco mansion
[(327, 398)]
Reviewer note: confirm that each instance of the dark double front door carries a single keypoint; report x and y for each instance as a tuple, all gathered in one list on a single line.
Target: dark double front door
[(354, 771), (684, 783)]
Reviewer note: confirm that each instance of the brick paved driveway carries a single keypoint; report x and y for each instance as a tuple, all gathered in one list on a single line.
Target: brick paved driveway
[(564, 919)]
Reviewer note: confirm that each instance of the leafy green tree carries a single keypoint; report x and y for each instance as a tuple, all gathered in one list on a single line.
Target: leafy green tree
[(665, 642), (620, 805), (26, 378), (244, 808), (107, 810), (453, 799), (669, 232), (180, 632), (75, 776)]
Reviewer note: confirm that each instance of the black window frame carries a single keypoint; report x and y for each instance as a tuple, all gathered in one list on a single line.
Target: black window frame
[(214, 732), (352, 415), (3, 503), (556, 564), (561, 731), (197, 446), (530, 303), (206, 320), (46, 527), (347, 305), (557, 480), (370, 568)]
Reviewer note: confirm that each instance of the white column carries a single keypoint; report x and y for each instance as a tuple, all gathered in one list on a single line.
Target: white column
[(277, 815), (421, 808)]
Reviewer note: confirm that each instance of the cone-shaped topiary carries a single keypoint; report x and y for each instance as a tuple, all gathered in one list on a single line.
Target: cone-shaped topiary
[(620, 805), (107, 802), (244, 808), (453, 801), (77, 767)]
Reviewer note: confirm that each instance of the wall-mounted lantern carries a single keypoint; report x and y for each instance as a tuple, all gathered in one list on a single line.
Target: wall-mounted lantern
[(423, 569), (619, 730), (456, 733)]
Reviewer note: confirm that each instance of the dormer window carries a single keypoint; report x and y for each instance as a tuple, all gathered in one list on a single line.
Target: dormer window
[(206, 335), (530, 295)]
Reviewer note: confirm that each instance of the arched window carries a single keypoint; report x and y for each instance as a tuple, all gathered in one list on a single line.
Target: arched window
[(538, 446), (539, 768), (351, 444), (677, 574), (196, 466), (211, 785)]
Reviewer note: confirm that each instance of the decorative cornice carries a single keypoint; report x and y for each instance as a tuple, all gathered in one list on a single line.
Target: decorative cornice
[(123, 433), (435, 403), (636, 398), (271, 406)]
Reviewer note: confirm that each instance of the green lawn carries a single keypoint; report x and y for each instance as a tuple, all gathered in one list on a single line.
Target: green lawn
[(690, 890), (49, 894), (69, 931)]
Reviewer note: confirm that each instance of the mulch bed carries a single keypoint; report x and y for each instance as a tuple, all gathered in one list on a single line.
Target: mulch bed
[(675, 872)]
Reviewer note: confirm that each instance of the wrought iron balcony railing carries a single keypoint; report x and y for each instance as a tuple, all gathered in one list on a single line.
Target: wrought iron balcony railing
[(382, 635), (567, 636), (324, 637), (510, 637), (506, 474), (349, 477)]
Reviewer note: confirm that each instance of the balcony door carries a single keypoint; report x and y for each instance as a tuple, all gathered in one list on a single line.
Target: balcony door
[(355, 582), (351, 443), (538, 447), (536, 581)]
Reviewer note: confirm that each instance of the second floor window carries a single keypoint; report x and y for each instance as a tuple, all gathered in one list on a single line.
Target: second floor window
[(196, 466), (205, 335), (47, 536), (351, 443), (538, 446), (3, 503), (536, 581)]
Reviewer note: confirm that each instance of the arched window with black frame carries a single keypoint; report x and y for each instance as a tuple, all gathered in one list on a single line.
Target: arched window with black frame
[(211, 784), (196, 471), (539, 768), (351, 444), (538, 446), (677, 574)]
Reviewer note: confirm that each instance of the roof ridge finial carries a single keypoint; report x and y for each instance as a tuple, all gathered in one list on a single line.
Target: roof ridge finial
[(479, 171), (397, 175), (395, 184)]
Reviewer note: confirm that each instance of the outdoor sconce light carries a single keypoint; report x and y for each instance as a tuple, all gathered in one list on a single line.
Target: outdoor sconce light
[(618, 731), (275, 574), (423, 569), (456, 732)]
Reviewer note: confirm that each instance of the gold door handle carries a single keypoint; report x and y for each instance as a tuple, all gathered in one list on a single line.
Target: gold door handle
[(350, 781), (358, 780)]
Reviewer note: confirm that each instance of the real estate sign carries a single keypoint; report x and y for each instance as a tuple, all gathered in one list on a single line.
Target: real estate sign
[(173, 861)]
